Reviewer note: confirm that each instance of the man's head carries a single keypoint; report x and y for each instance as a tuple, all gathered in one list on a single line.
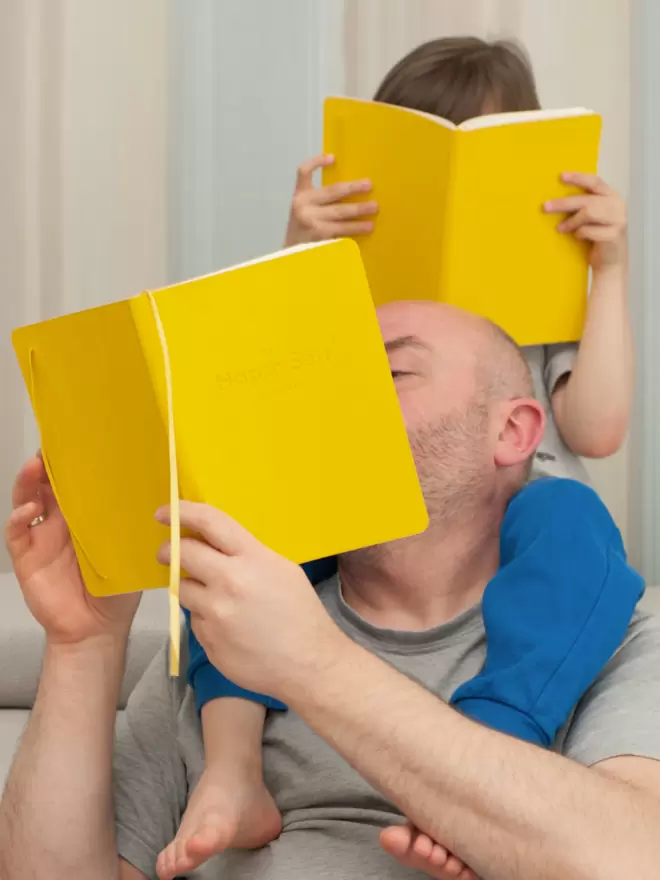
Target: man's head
[(466, 395), (459, 78)]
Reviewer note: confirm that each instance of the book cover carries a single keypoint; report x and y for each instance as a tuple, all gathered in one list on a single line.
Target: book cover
[(461, 215), (282, 406)]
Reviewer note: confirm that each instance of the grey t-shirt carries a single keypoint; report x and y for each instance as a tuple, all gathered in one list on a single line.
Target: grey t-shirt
[(549, 364), (331, 815)]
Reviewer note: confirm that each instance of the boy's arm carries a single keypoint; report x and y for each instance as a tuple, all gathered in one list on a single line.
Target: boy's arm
[(592, 406)]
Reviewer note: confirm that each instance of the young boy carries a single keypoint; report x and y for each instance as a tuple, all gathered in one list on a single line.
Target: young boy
[(587, 394)]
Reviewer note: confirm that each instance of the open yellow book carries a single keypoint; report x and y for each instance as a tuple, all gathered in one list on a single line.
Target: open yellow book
[(281, 403), (461, 217)]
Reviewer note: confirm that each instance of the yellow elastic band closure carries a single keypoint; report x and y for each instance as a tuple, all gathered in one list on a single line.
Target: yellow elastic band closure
[(175, 513)]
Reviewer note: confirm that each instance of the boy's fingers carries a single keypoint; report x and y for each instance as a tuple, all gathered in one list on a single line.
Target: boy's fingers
[(336, 192), (591, 182), (306, 171), (353, 211), (597, 233), (574, 222), (569, 205), (347, 230), (593, 215)]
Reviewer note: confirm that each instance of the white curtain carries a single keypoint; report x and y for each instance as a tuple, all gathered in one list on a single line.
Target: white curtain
[(645, 276), (581, 55), (248, 82), (83, 158)]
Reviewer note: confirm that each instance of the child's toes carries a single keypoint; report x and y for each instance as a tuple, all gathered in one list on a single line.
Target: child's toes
[(422, 846), (166, 864), (209, 840), (454, 867), (438, 857), (397, 840)]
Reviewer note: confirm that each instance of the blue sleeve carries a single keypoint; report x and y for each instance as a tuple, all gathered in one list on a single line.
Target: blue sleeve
[(555, 613), (209, 683)]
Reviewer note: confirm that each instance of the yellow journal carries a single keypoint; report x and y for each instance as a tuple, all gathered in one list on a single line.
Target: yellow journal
[(284, 413), (460, 210)]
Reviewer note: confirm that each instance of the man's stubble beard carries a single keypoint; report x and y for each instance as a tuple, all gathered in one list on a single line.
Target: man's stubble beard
[(451, 456)]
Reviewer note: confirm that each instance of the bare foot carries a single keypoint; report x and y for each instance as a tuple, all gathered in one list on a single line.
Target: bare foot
[(223, 813), (417, 851)]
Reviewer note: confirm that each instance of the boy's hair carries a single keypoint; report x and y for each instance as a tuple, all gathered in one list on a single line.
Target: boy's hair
[(460, 78)]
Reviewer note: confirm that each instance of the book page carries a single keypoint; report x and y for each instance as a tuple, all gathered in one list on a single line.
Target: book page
[(285, 252), (495, 119), (438, 120), (492, 119)]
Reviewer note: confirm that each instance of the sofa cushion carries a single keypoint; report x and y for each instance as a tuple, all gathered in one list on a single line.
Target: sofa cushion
[(21, 644), (12, 724)]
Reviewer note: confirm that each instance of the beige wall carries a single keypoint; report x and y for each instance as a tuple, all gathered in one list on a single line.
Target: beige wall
[(580, 50), (83, 159)]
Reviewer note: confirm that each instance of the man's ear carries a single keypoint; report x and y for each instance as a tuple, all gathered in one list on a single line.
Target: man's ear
[(521, 429)]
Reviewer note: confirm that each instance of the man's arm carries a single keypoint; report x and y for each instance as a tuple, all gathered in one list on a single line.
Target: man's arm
[(510, 811), (505, 808), (56, 815)]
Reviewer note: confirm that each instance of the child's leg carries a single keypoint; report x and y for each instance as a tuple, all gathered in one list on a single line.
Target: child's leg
[(555, 613), (231, 806)]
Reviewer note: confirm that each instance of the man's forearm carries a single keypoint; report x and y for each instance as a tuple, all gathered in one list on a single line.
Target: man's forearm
[(56, 815), (510, 811)]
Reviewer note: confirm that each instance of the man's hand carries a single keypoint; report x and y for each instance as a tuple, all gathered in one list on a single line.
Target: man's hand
[(45, 563), (598, 215), (320, 214), (255, 613)]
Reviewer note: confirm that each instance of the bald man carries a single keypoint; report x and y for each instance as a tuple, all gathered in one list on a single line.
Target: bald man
[(367, 664)]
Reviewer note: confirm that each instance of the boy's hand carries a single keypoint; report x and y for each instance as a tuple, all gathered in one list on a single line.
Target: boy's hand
[(598, 215), (320, 214)]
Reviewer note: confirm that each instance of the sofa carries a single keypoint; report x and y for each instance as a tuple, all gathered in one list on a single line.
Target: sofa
[(21, 643)]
